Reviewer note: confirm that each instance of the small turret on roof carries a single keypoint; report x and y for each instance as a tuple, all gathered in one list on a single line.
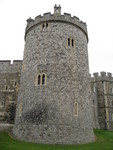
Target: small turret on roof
[(57, 10)]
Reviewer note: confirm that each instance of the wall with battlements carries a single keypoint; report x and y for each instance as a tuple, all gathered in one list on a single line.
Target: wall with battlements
[(48, 17), (7, 67), (102, 76), (9, 86), (103, 82)]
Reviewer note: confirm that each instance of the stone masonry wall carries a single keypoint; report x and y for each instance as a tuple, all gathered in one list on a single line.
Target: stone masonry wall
[(46, 111), (56, 47), (104, 86), (9, 86)]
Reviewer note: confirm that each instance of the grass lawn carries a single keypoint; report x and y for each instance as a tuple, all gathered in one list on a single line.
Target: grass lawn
[(104, 142)]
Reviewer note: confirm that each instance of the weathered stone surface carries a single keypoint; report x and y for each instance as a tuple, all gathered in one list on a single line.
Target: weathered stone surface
[(9, 86), (46, 113), (104, 99), (6, 127)]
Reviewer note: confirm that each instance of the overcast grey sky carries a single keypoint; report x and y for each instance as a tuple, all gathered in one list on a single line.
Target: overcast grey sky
[(98, 14)]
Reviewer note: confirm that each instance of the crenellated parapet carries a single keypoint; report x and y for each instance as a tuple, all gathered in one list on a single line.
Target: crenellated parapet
[(102, 76), (7, 67), (48, 17)]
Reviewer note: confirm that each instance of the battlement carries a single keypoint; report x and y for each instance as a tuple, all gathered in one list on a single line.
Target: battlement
[(102, 76), (48, 17), (7, 67)]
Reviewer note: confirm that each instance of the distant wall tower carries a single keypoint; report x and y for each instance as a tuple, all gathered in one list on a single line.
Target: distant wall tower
[(53, 103), (104, 85)]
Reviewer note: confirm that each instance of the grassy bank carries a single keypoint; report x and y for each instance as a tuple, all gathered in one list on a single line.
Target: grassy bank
[(104, 142)]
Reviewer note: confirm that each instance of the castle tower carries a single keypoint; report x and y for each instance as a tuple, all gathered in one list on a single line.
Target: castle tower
[(53, 103), (103, 83)]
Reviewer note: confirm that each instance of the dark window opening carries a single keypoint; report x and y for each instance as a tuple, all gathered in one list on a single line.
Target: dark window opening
[(68, 41), (2, 103), (39, 79), (72, 43), (93, 102), (43, 26), (43, 79), (15, 83), (46, 25), (6, 87)]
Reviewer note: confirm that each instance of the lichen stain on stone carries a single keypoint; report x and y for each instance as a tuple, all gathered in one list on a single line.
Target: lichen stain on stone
[(37, 115)]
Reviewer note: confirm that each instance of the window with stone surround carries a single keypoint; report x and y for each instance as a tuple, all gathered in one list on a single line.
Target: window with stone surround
[(6, 87), (112, 117), (112, 103), (41, 79), (1, 103), (45, 26), (71, 42), (20, 109), (111, 90), (76, 109), (15, 84), (68, 41), (22, 67)]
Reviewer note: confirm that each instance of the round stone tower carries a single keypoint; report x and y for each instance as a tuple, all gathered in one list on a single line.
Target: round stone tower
[(53, 104)]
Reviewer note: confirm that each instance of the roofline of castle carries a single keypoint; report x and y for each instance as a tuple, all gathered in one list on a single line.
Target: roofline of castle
[(7, 66), (9, 61), (102, 76), (48, 17)]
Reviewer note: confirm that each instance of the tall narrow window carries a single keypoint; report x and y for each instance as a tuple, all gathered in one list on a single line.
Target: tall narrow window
[(72, 42), (76, 109), (20, 109), (93, 102), (68, 41), (112, 117), (112, 103), (43, 79), (39, 79), (43, 26), (46, 25), (6, 87), (1, 104), (15, 84)]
